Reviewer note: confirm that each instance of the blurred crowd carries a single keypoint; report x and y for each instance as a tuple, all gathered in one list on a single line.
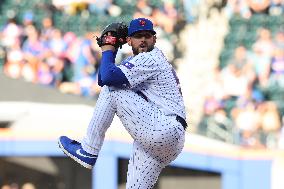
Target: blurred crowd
[(50, 57), (245, 98), (46, 55), (246, 8), (167, 15), (163, 13)]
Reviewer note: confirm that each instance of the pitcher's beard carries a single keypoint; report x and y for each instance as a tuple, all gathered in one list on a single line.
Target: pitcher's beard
[(142, 49)]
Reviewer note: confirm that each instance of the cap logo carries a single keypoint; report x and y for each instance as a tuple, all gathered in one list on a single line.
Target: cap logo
[(142, 22)]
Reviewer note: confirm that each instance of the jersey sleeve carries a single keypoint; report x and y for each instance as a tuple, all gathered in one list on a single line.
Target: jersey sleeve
[(139, 68)]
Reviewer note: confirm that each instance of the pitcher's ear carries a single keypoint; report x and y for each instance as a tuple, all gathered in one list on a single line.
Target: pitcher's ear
[(155, 38), (128, 40)]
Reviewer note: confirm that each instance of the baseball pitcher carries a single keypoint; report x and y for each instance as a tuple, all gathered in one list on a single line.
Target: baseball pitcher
[(144, 92)]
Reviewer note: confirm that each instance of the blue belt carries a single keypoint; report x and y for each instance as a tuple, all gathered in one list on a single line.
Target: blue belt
[(182, 121)]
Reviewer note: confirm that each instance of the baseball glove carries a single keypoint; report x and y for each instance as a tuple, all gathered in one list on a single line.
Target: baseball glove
[(114, 34)]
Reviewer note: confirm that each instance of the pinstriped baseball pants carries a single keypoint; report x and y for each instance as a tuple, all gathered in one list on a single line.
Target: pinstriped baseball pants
[(158, 139)]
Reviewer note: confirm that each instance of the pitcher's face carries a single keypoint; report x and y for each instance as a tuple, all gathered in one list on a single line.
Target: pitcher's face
[(142, 41)]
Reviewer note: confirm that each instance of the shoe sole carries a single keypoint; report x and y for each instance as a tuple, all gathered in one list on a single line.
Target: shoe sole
[(88, 166)]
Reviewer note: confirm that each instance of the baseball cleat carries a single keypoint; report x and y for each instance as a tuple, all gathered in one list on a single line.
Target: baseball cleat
[(74, 150)]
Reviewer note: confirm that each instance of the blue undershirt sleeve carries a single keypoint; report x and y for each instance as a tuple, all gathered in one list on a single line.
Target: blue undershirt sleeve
[(109, 74), (100, 83)]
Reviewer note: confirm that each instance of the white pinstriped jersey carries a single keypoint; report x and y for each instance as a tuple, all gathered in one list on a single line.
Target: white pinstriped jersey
[(154, 76), (158, 135)]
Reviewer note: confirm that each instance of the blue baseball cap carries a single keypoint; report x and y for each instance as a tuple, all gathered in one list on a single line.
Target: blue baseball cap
[(140, 24)]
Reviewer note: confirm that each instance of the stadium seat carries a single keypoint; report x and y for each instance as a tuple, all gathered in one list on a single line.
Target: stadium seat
[(225, 56), (237, 22), (221, 130), (258, 19)]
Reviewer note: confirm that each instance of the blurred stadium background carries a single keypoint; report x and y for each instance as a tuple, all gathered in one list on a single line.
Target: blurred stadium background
[(229, 55)]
